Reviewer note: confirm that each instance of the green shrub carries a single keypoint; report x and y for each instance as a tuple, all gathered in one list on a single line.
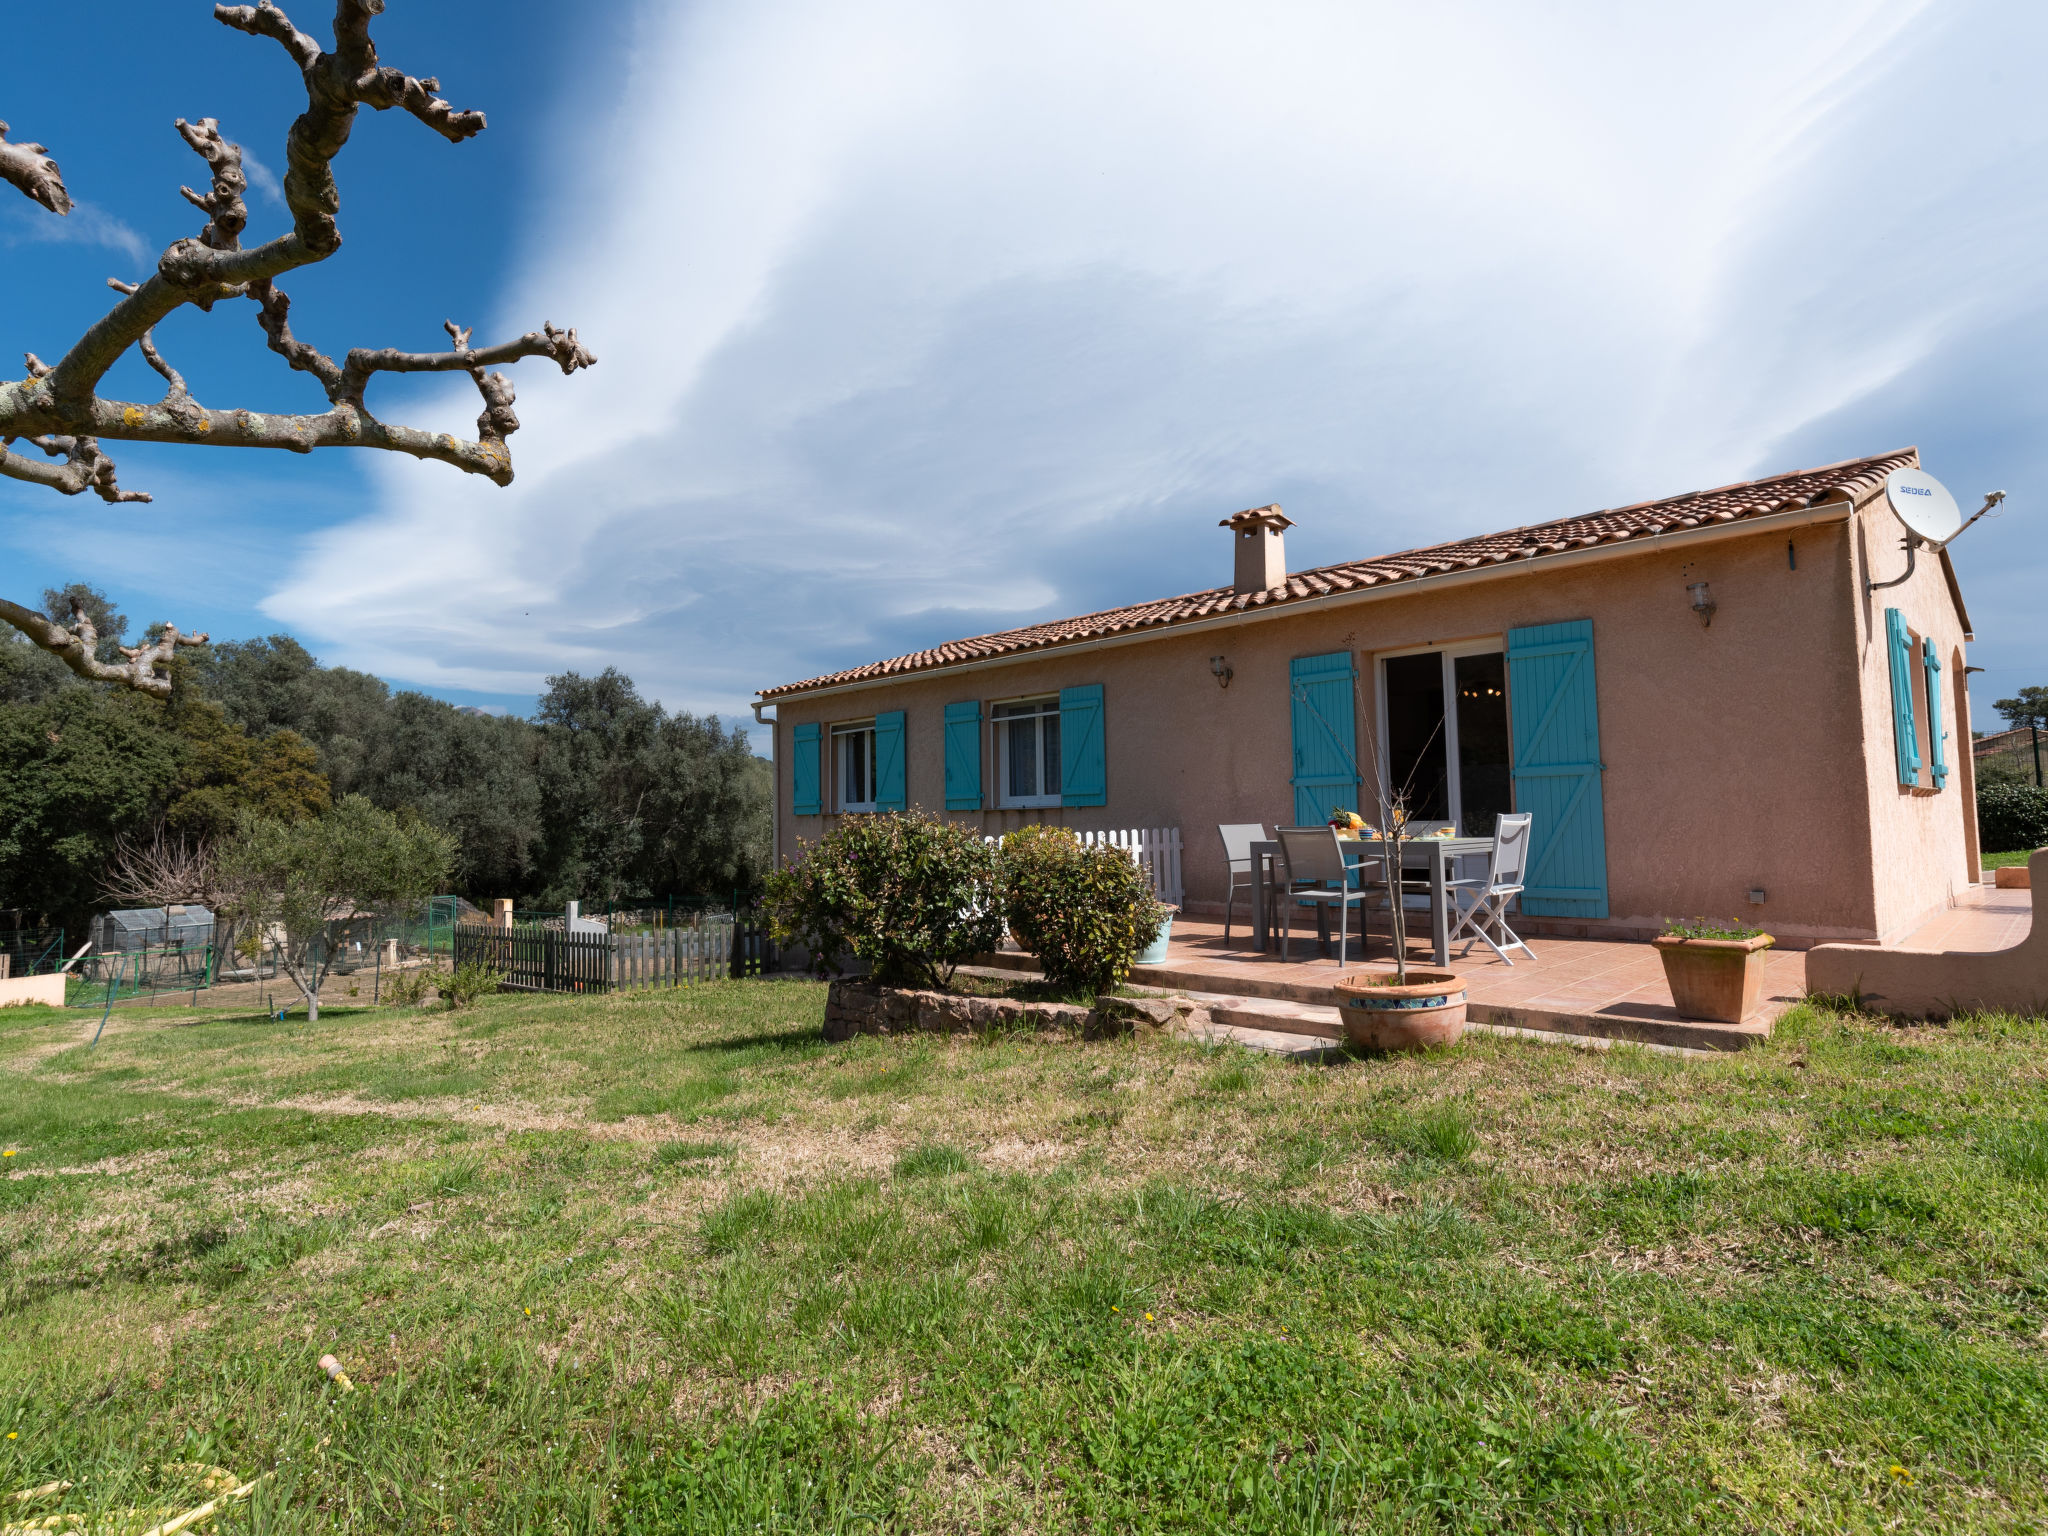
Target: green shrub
[(1085, 911), (2012, 818), (409, 988), (911, 895), (470, 980)]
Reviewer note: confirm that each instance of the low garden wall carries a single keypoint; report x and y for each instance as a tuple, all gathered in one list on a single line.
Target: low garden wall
[(863, 1008), (32, 989), (1939, 984)]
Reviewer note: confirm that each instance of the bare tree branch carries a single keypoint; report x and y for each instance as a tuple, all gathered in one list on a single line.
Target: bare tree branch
[(274, 307), (85, 468), (161, 872), (77, 647), (59, 410), (35, 173), (212, 266), (227, 215)]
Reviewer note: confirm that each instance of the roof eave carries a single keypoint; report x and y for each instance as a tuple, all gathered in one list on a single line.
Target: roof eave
[(1836, 506)]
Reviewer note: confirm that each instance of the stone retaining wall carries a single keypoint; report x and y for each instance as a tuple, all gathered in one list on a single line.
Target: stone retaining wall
[(863, 1008)]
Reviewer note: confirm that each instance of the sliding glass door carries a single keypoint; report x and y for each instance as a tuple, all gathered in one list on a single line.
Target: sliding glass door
[(1444, 733)]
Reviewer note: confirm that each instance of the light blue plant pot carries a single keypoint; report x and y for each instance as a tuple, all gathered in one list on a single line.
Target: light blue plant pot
[(1155, 953)]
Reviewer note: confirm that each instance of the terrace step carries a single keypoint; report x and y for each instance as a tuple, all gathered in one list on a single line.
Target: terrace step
[(1307, 1002)]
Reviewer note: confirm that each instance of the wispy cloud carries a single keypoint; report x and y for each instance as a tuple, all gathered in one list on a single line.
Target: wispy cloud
[(262, 178), (920, 319), (84, 225)]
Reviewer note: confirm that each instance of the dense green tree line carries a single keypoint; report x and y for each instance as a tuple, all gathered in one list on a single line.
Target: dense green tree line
[(602, 797)]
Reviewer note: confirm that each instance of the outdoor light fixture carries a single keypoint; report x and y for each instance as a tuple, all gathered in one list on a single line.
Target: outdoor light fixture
[(1221, 670), (1703, 602)]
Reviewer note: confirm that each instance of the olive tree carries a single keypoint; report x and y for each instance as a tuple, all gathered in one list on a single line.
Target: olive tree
[(296, 879), (58, 411)]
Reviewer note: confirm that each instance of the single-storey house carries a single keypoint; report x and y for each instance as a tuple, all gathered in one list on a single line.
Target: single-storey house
[(1704, 701)]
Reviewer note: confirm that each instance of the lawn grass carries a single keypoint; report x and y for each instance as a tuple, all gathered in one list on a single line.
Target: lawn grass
[(669, 1262), (2006, 860)]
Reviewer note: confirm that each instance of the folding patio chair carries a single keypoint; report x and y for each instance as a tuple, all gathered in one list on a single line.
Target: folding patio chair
[(1318, 877), (1238, 838), (1483, 902)]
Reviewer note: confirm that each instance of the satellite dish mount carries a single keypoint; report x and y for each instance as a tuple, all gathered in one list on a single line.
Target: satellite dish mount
[(1930, 515)]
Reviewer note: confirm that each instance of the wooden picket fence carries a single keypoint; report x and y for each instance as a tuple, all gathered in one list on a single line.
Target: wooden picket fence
[(1156, 848), (671, 957), (535, 959), (538, 959)]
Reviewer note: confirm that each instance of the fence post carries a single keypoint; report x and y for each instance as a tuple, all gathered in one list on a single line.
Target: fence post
[(111, 985)]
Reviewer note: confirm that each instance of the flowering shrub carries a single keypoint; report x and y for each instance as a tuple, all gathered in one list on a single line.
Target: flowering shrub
[(1085, 912), (911, 895)]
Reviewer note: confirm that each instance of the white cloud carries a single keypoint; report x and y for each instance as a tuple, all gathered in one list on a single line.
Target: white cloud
[(84, 225), (917, 320), (262, 178)]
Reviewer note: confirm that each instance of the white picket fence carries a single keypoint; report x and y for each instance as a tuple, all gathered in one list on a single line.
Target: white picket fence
[(1157, 849), (669, 957)]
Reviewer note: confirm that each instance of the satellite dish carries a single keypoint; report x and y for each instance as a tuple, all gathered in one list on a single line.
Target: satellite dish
[(1924, 505)]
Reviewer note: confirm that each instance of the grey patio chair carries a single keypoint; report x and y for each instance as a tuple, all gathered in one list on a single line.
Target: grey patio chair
[(1238, 838), (1318, 877), (1483, 902)]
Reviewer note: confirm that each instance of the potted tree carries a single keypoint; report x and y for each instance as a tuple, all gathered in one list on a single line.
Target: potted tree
[(1411, 1007), (1715, 972)]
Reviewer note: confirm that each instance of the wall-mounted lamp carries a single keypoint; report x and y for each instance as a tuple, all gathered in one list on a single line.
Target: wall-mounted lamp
[(1703, 603), (1221, 671)]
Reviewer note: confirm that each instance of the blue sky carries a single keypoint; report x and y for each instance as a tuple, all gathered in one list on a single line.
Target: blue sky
[(919, 320)]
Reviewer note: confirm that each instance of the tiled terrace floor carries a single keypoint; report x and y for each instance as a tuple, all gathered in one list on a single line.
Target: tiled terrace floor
[(1985, 919), (1598, 987)]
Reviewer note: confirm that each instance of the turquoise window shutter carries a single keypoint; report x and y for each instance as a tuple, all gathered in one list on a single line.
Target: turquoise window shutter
[(1325, 736), (803, 767), (1937, 756), (963, 756), (1084, 770), (889, 795), (1557, 768), (1905, 738)]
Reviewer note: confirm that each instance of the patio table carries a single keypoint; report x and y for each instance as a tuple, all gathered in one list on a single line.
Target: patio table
[(1435, 852)]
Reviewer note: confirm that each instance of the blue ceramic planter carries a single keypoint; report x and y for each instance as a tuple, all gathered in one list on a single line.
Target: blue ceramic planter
[(1155, 953)]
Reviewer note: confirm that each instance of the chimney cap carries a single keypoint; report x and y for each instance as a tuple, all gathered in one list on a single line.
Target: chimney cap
[(1258, 517)]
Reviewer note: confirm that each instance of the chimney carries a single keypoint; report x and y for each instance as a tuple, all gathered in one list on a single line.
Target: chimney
[(1261, 550)]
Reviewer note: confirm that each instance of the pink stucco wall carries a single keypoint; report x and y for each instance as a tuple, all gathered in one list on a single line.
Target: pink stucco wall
[(1924, 843), (1753, 753)]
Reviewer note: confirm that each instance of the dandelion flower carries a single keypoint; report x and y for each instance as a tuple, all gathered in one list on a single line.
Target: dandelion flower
[(1148, 1317), (11, 1434), (1116, 1309), (528, 1311), (8, 1153)]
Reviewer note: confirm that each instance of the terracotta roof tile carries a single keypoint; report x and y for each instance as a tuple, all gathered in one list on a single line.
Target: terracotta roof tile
[(1725, 504)]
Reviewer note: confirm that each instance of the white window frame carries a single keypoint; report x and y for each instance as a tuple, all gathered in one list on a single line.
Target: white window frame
[(852, 735), (1451, 650), (1048, 773)]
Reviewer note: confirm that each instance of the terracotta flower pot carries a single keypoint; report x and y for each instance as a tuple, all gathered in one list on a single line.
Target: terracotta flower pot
[(1380, 1016), (1720, 980)]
